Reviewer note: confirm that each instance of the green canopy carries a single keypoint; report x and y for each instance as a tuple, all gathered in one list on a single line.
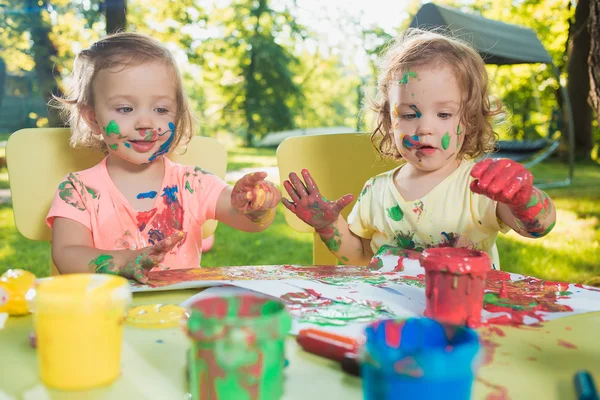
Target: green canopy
[(498, 43)]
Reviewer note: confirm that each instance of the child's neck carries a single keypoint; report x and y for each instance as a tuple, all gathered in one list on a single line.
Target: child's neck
[(131, 180), (414, 183), (118, 166)]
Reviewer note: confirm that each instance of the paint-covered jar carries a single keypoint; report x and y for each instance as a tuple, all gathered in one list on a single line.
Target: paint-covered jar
[(418, 358), (237, 348), (455, 284)]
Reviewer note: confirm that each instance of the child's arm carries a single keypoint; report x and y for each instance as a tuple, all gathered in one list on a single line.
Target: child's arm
[(311, 207), (73, 251), (250, 205), (526, 209)]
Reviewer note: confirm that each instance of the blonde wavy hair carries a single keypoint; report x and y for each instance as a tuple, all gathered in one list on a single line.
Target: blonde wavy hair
[(119, 50), (419, 48)]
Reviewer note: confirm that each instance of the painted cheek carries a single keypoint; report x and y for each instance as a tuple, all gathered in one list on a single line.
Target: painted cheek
[(409, 142), (446, 141)]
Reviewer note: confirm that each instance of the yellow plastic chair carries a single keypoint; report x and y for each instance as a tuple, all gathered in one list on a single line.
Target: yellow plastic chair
[(39, 158), (339, 163)]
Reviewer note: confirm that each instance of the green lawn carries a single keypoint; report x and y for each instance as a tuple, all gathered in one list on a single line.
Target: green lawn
[(571, 252)]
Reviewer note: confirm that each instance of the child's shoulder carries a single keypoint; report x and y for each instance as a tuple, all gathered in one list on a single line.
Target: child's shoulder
[(384, 177), (463, 172), (90, 174)]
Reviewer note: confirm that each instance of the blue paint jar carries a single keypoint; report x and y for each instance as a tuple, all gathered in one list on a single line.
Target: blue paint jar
[(418, 358)]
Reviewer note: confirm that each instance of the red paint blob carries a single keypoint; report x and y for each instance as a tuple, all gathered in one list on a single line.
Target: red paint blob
[(566, 344)]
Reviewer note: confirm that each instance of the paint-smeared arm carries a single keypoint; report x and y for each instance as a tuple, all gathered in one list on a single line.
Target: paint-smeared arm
[(525, 208), (73, 251), (324, 216), (250, 205)]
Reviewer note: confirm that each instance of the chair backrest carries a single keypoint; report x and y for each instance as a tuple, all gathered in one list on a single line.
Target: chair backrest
[(339, 163), (39, 158)]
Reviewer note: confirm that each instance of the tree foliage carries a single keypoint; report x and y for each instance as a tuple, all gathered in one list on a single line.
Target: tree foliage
[(251, 68)]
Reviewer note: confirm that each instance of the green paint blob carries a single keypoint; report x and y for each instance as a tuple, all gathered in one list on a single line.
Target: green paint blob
[(532, 201), (549, 228), (237, 348), (114, 146), (112, 128), (188, 187), (103, 264), (333, 244), (446, 141), (395, 213), (406, 77), (494, 299), (93, 192)]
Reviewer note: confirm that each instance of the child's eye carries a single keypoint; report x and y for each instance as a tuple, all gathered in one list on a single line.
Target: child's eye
[(161, 110), (444, 115), (409, 116), (124, 109)]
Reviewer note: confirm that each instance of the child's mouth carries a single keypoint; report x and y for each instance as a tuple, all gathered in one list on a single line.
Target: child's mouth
[(141, 146), (426, 150)]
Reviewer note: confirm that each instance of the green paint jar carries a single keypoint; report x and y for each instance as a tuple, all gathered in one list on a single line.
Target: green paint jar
[(237, 348)]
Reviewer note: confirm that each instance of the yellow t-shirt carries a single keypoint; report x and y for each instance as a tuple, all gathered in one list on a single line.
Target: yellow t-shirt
[(449, 215)]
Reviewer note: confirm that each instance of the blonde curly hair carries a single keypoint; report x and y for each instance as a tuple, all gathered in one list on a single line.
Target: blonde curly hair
[(418, 48), (119, 50)]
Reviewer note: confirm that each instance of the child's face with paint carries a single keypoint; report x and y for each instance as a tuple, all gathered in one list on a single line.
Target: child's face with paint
[(424, 110), (134, 111)]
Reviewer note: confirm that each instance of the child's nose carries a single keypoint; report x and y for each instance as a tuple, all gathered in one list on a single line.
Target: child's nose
[(143, 122), (424, 127)]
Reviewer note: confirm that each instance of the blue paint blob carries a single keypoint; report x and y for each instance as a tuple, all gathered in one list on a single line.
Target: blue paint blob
[(146, 195), (159, 341), (166, 146), (416, 110), (169, 194), (127, 145), (155, 236)]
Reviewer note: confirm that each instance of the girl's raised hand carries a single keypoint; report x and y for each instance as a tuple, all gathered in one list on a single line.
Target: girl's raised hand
[(503, 180), (252, 193), (309, 205)]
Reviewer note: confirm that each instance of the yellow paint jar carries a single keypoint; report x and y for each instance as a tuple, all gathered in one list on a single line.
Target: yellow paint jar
[(78, 321)]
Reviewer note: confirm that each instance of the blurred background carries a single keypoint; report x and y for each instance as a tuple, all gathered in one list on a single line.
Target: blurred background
[(258, 66)]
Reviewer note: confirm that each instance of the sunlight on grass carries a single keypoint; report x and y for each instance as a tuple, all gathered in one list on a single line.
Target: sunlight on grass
[(19, 252), (241, 157), (570, 252), (279, 244), (3, 178)]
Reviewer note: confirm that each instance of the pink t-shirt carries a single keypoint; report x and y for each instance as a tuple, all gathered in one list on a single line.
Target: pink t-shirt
[(187, 198)]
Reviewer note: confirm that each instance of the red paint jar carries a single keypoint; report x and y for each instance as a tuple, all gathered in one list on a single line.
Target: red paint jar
[(455, 284)]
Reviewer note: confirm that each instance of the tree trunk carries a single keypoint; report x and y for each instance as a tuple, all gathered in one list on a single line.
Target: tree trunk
[(594, 58), (44, 54), (578, 85), (116, 15)]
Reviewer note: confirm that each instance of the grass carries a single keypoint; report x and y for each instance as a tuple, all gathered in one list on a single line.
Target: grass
[(242, 157), (571, 252)]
